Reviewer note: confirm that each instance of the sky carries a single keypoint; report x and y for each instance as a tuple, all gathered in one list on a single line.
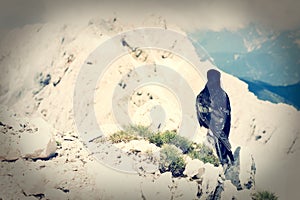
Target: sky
[(188, 14)]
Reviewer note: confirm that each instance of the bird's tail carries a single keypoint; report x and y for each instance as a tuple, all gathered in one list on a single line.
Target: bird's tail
[(221, 136)]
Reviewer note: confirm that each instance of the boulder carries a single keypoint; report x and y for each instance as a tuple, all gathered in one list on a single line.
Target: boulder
[(160, 189), (185, 189), (32, 182), (8, 147), (210, 180), (193, 167), (112, 184), (57, 194), (39, 144), (230, 190), (247, 169), (232, 172), (244, 194)]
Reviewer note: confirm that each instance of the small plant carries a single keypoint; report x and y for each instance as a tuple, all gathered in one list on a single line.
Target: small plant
[(139, 130), (171, 160), (203, 153), (156, 139), (163, 138), (58, 143), (122, 136), (182, 143), (263, 195), (170, 137)]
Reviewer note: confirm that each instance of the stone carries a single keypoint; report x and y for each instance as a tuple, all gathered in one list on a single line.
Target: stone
[(8, 148), (40, 144), (232, 172), (247, 169), (201, 171), (32, 182), (244, 194), (28, 198), (159, 189), (57, 194), (112, 183), (138, 145), (185, 189), (209, 180), (193, 167), (230, 190)]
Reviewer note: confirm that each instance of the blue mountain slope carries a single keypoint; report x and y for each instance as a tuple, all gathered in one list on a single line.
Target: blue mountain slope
[(264, 59), (277, 94)]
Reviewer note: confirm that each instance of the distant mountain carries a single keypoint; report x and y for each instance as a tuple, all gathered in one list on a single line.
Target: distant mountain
[(277, 94), (257, 54)]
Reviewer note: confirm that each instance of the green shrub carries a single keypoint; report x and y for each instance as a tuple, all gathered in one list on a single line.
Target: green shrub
[(170, 137), (122, 136), (131, 132), (171, 160), (263, 195), (162, 138), (203, 153), (156, 139), (182, 143), (139, 130), (58, 143)]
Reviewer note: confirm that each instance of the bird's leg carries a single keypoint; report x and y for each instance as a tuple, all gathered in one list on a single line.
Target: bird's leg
[(219, 153)]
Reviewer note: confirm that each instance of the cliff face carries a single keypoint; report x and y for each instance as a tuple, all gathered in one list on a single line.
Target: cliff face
[(41, 67)]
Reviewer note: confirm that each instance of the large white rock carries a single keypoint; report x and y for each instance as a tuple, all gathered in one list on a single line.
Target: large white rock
[(244, 195), (209, 180), (112, 184), (185, 189), (32, 182), (40, 144), (247, 169), (140, 145), (230, 190), (8, 147), (192, 168), (160, 189), (52, 193)]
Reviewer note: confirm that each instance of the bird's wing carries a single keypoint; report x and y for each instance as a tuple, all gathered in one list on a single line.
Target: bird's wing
[(203, 113)]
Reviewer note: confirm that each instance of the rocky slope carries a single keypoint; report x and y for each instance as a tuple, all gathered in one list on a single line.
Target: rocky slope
[(44, 156)]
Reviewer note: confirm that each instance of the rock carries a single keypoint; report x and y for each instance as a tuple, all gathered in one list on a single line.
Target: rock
[(230, 190), (8, 148), (33, 140), (160, 189), (32, 182), (113, 184), (185, 189), (138, 145), (56, 194), (201, 171), (244, 195), (28, 198), (233, 171), (40, 144), (193, 168), (247, 169), (7, 117), (209, 180)]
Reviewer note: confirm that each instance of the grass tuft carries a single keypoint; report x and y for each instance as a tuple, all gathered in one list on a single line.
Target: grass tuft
[(171, 160), (263, 195), (203, 153), (122, 136)]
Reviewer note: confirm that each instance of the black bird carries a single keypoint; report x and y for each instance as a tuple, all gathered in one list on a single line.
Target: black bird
[(213, 112)]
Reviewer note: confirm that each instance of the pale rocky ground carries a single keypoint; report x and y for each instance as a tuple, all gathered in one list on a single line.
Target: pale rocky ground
[(44, 157)]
